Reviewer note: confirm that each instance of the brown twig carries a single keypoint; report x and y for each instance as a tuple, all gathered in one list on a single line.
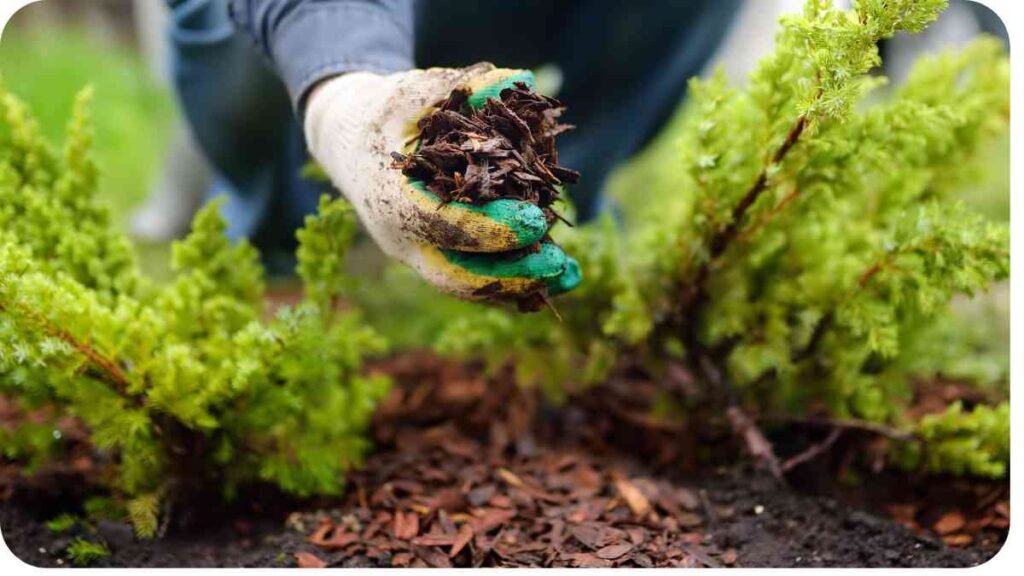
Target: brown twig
[(108, 366), (869, 274), (813, 452), (756, 442), (696, 292), (770, 214), (820, 329), (845, 424), (547, 302), (720, 241)]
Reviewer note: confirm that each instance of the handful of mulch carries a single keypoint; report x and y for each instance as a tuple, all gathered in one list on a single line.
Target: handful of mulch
[(504, 150)]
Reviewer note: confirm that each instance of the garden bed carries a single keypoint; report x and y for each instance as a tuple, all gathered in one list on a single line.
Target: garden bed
[(471, 471)]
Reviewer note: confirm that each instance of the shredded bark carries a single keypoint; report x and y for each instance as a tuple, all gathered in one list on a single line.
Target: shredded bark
[(504, 150), (472, 470)]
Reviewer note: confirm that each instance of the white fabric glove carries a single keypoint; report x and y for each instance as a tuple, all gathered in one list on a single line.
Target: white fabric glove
[(354, 121)]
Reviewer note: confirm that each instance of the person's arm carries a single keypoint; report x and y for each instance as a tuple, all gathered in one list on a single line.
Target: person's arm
[(310, 40), (347, 65)]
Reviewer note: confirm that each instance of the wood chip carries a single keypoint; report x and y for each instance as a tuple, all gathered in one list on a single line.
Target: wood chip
[(614, 551), (949, 523), (637, 502), (510, 478), (309, 560), (958, 540), (586, 560), (406, 525), (465, 535), (1002, 508)]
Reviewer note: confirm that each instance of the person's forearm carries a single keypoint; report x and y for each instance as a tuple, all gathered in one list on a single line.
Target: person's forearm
[(307, 41)]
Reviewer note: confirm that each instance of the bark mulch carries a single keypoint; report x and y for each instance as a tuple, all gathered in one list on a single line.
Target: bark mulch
[(471, 471)]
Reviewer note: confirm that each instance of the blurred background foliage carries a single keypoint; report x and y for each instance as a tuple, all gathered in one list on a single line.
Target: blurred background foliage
[(133, 114)]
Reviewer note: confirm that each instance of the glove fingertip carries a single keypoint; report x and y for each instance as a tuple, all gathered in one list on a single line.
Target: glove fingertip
[(568, 280), (547, 263), (526, 221), (493, 90)]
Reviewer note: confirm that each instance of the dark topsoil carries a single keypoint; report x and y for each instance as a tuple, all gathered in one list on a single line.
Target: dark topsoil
[(470, 471)]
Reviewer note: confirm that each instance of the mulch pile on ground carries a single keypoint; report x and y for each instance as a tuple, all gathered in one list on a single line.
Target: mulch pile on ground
[(471, 471), (475, 474), (444, 498)]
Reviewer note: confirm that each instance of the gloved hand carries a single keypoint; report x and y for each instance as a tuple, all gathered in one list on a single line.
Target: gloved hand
[(354, 121)]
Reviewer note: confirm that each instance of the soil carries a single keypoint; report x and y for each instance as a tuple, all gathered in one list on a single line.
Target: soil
[(471, 471)]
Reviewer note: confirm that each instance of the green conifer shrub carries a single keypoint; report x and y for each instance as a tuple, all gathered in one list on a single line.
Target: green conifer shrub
[(809, 251), (184, 386)]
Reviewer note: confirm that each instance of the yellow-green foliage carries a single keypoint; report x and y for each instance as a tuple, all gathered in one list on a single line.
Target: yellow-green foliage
[(960, 442), (815, 237), (179, 383), (84, 552)]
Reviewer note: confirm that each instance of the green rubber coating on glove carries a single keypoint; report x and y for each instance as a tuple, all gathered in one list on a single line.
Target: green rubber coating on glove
[(548, 262), (479, 98), (571, 278), (525, 220)]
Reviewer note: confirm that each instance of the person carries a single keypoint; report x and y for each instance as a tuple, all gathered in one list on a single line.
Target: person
[(264, 83), (178, 190)]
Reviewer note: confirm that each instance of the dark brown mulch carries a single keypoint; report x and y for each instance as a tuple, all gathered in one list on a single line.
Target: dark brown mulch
[(506, 149), (503, 150), (470, 471)]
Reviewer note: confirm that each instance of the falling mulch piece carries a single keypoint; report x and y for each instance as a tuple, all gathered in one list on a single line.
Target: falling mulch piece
[(503, 150)]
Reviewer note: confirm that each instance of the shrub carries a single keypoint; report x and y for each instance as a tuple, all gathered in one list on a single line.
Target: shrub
[(183, 384), (812, 246)]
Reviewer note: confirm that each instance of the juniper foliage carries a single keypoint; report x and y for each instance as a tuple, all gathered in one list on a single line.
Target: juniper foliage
[(816, 239), (180, 384), (83, 552)]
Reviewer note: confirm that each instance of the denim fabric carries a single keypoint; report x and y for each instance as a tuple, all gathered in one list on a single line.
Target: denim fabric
[(625, 65)]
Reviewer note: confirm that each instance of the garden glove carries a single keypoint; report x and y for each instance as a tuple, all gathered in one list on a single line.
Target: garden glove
[(354, 121)]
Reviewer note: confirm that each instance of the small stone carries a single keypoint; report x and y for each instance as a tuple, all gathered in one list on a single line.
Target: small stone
[(759, 509), (116, 534)]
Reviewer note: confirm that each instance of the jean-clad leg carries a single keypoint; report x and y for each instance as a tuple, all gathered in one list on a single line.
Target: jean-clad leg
[(241, 117)]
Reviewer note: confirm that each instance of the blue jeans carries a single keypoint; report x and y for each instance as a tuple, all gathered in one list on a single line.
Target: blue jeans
[(625, 65)]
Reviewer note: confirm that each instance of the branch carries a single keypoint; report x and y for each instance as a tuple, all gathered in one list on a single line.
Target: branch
[(696, 293), (820, 329), (721, 240), (108, 366), (845, 424), (813, 452), (828, 319), (756, 442), (869, 274), (768, 216)]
